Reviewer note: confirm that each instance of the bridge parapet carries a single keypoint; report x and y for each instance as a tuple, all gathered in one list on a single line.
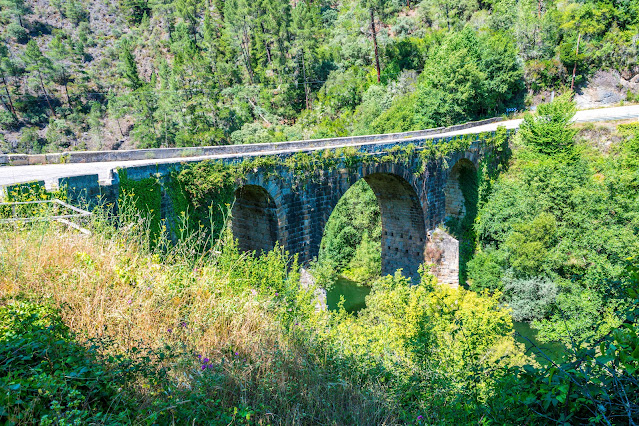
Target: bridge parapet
[(226, 150)]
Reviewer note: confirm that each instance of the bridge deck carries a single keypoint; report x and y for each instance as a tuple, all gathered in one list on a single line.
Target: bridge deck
[(50, 173)]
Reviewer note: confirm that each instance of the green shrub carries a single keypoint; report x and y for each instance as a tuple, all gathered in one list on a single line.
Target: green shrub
[(597, 384), (530, 298), (549, 131), (485, 271), (48, 378), (17, 32)]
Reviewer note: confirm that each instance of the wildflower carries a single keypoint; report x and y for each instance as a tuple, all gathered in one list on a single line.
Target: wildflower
[(237, 354), (170, 330), (199, 357), (254, 292), (205, 360), (129, 301), (420, 417), (276, 293), (183, 323), (203, 366)]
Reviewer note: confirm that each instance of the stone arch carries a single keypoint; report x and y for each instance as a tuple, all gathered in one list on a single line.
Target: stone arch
[(254, 219), (403, 228), (455, 200)]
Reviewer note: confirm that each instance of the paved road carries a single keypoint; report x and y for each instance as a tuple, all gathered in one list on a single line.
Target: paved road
[(50, 173)]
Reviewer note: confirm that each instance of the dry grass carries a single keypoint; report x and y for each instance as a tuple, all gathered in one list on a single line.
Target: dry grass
[(107, 287)]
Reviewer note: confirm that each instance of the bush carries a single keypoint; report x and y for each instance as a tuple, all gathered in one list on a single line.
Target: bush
[(531, 298), (597, 384), (7, 120), (549, 131), (47, 378), (343, 89), (29, 141), (484, 271), (17, 32)]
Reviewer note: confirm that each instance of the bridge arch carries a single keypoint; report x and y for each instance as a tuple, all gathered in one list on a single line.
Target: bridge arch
[(254, 219), (403, 228), (403, 233)]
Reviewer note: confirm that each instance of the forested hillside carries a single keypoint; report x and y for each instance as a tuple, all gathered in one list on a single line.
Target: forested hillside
[(151, 73)]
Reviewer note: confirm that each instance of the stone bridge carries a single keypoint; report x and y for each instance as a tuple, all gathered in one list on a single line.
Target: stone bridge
[(415, 197)]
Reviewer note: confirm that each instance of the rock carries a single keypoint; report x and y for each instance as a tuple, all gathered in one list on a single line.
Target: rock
[(604, 89), (308, 281)]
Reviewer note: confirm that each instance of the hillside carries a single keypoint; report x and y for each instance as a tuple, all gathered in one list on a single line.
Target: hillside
[(151, 73)]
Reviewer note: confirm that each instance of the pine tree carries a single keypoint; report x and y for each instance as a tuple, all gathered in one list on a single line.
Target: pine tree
[(41, 65), (5, 67), (129, 68)]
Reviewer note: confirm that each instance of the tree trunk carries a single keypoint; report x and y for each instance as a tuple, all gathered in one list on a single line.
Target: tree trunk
[(10, 106), (117, 120), (246, 52), (574, 69), (539, 3), (379, 74), (66, 89), (266, 44), (46, 95), (306, 91)]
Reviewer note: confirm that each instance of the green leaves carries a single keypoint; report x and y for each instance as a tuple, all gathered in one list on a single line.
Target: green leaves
[(549, 130)]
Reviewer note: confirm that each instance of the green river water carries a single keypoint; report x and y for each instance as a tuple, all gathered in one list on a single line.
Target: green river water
[(354, 295)]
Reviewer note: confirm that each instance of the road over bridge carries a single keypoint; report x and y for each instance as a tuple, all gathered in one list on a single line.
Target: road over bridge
[(50, 173)]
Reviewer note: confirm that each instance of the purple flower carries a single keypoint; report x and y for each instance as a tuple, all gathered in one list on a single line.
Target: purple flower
[(129, 301), (210, 366), (237, 354), (183, 323), (276, 293), (205, 360), (199, 357), (420, 417), (204, 367), (170, 330)]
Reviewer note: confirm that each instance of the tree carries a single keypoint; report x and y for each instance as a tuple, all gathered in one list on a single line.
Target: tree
[(549, 131), (134, 10), (454, 13), (189, 11), (40, 64), (305, 21), (375, 6), (17, 7), (5, 68), (129, 68)]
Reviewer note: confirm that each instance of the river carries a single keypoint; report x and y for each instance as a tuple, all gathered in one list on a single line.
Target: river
[(354, 295)]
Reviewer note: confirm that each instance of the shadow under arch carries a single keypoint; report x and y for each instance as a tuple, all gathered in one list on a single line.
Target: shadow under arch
[(461, 190), (403, 228), (253, 219), (461, 198)]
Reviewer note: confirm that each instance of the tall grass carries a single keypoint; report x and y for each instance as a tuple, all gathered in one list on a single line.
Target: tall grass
[(240, 312)]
